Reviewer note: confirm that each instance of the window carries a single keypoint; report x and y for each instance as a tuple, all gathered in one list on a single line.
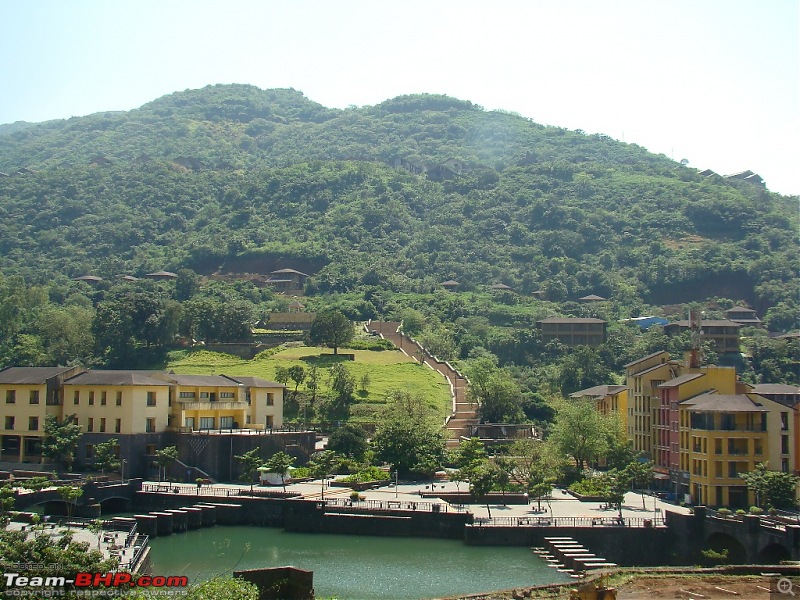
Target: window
[(117, 425), (784, 421), (34, 397), (248, 420), (204, 394), (102, 425), (33, 423), (150, 425), (89, 450), (151, 398), (187, 395), (784, 444), (270, 399), (103, 397), (76, 398), (270, 421), (150, 450), (190, 423), (227, 395), (11, 396), (206, 422), (226, 422), (91, 398), (247, 397), (9, 422), (119, 398), (784, 465), (90, 426)]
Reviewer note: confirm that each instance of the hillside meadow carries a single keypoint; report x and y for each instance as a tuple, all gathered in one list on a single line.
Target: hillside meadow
[(387, 369)]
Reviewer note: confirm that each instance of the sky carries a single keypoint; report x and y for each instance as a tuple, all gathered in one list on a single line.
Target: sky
[(715, 82)]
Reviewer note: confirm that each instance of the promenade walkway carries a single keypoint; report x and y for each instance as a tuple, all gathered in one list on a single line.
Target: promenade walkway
[(464, 417), (561, 507)]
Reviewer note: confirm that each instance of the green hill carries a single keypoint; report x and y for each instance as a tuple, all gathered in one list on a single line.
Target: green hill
[(397, 196)]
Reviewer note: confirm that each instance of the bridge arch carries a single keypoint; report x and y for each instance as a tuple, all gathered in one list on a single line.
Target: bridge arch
[(719, 542), (773, 553), (114, 504)]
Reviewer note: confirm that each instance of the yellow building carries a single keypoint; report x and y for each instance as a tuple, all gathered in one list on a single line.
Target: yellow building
[(643, 377), (142, 410), (28, 395), (609, 400), (723, 436), (118, 402)]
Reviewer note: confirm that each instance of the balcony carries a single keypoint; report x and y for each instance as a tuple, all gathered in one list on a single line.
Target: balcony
[(208, 405)]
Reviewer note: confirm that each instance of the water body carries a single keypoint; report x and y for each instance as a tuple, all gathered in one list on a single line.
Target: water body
[(354, 567)]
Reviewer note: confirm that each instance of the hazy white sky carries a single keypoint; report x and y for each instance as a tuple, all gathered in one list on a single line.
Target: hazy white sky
[(713, 81)]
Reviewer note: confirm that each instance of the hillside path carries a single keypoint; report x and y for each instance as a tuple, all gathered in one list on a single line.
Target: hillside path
[(464, 416)]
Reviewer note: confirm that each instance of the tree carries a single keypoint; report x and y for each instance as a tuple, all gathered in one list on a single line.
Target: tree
[(322, 464), (497, 394), (70, 495), (468, 456), (61, 440), (364, 382), (280, 463), (343, 384), (580, 431), (250, 461), (331, 328), (349, 440), (105, 456), (484, 478), (640, 475), (773, 489), (408, 434), (164, 458), (536, 466), (297, 374), (312, 382), (281, 375)]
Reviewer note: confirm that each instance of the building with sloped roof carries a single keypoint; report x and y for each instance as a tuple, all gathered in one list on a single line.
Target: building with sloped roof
[(573, 331)]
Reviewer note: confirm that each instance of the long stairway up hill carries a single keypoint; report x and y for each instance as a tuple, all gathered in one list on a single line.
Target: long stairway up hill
[(464, 416)]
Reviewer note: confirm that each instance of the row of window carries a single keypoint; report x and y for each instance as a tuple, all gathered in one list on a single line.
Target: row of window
[(76, 398), (11, 397)]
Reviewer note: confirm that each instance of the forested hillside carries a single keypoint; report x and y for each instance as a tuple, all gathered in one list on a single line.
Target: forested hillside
[(233, 177), (379, 205)]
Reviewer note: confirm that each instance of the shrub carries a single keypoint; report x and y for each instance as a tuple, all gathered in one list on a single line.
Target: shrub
[(755, 510), (740, 512), (368, 474), (725, 512)]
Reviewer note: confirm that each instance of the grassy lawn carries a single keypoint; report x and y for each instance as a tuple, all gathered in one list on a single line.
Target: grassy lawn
[(388, 370)]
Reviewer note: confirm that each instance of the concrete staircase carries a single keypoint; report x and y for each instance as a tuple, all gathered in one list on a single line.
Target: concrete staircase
[(464, 417)]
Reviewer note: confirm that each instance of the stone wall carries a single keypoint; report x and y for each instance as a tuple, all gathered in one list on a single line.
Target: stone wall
[(280, 583)]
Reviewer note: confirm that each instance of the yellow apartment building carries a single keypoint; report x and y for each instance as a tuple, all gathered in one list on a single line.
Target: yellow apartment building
[(608, 399), (725, 435), (143, 410), (118, 402), (28, 395), (643, 376)]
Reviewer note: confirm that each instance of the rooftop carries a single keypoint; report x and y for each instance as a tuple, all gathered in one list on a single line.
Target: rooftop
[(571, 320), (680, 380), (599, 391), (30, 375), (96, 377), (711, 402)]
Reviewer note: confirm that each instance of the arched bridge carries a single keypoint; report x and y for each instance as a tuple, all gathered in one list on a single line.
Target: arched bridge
[(92, 492), (750, 539)]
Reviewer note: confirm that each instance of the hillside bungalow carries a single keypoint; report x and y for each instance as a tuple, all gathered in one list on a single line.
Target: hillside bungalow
[(722, 332), (287, 280), (743, 316), (573, 331), (162, 275), (450, 285), (592, 298)]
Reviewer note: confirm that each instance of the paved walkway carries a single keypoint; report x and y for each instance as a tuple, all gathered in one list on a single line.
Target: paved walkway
[(560, 505)]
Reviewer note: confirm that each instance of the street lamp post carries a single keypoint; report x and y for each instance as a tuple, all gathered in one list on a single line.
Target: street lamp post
[(396, 481), (124, 461)]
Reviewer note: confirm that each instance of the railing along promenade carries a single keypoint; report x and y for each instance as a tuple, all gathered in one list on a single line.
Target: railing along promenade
[(779, 521), (570, 522)]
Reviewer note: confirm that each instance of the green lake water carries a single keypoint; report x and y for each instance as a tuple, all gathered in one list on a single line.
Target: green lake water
[(353, 567)]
